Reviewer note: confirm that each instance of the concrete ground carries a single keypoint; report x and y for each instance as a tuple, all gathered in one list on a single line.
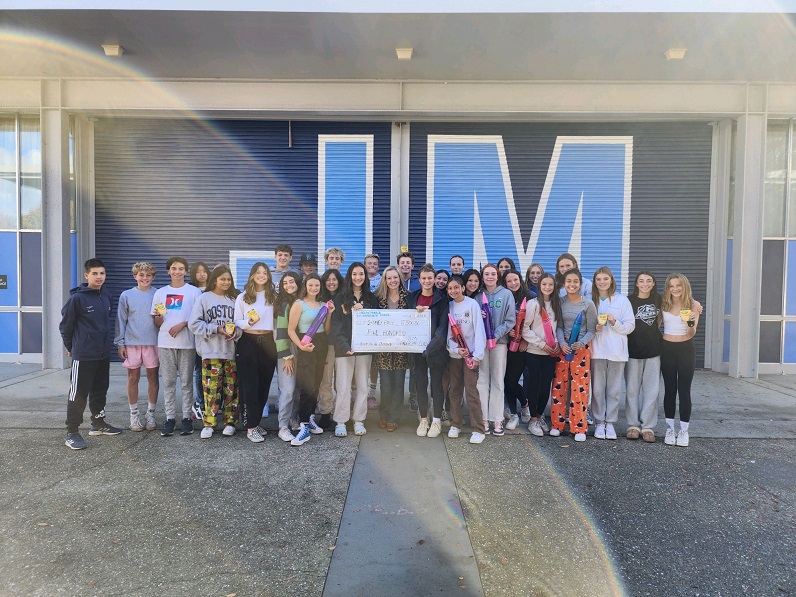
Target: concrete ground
[(394, 514)]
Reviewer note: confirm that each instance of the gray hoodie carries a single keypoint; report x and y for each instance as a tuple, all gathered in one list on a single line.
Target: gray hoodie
[(504, 312), (209, 312)]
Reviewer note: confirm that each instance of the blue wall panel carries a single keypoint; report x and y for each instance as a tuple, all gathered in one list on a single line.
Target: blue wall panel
[(9, 333), (9, 296)]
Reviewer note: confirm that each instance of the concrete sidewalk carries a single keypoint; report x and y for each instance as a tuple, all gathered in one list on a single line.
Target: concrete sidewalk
[(140, 514)]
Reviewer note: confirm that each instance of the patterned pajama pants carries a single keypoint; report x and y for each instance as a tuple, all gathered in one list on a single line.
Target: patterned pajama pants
[(577, 375), (219, 381)]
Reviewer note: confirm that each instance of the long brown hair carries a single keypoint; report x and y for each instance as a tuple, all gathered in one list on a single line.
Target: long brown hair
[(687, 302), (212, 279), (250, 289), (595, 294)]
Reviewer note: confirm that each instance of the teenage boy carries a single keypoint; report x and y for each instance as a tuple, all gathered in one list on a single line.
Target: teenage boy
[(334, 257), (282, 254), (457, 265), (87, 331), (308, 264), (406, 262), (137, 342), (171, 308), (372, 269)]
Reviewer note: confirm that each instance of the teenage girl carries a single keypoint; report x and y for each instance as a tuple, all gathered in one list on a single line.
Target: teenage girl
[(216, 347), (441, 278), (608, 351), (532, 275), (564, 263), (392, 366), (643, 370), (472, 283), (492, 370), (311, 357), (467, 314), (540, 357), (256, 353), (515, 361), (331, 283), (678, 360), (433, 360), (286, 365), (576, 372), (504, 265), (198, 273), (354, 295)]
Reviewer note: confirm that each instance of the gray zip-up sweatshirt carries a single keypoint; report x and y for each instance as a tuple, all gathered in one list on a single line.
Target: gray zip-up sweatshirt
[(209, 312), (504, 312)]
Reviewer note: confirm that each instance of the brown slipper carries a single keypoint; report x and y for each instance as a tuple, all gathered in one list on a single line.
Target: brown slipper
[(382, 424), (633, 432), (648, 435), (392, 426)]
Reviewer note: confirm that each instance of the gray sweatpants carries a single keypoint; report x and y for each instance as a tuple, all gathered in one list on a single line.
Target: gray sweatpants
[(325, 395), (174, 361), (643, 384), (606, 384)]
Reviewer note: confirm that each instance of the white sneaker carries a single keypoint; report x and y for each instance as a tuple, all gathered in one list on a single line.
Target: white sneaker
[(340, 430), (135, 423), (435, 429), (285, 435), (506, 413), (580, 437), (610, 432), (313, 426), (150, 421), (254, 435), (477, 438), (229, 430), (359, 428), (543, 424), (303, 436), (207, 433), (599, 431), (535, 428), (670, 438), (422, 428), (682, 438), (453, 432), (525, 415), (554, 432), (512, 423)]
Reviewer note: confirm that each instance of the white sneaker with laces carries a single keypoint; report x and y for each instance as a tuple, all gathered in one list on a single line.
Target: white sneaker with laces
[(254, 435), (135, 423), (525, 415), (670, 438), (599, 430), (477, 438), (512, 423), (229, 430), (682, 438), (422, 428), (435, 429), (207, 433), (610, 432), (580, 437), (535, 428), (285, 435), (453, 432), (150, 421), (543, 424), (554, 432)]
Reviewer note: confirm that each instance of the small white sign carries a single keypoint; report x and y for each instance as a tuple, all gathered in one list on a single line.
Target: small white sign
[(390, 330)]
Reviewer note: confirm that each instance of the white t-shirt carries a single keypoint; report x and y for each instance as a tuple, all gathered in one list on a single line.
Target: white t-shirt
[(179, 303)]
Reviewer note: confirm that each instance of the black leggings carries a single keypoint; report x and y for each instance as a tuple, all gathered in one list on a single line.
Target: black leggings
[(678, 361), (540, 369), (515, 365), (256, 360)]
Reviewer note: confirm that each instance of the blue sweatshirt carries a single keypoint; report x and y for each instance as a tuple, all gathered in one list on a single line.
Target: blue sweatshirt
[(86, 326)]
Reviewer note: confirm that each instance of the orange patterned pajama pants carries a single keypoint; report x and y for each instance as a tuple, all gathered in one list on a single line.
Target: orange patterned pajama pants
[(576, 374)]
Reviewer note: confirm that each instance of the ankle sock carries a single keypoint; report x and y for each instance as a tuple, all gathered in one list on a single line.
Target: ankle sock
[(683, 426), (150, 408), (436, 420), (670, 423), (133, 409)]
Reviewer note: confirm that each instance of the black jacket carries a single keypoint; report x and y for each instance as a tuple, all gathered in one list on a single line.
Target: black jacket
[(340, 328), (86, 326), (436, 352)]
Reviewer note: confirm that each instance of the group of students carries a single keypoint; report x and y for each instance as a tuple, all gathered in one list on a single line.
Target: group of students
[(577, 337)]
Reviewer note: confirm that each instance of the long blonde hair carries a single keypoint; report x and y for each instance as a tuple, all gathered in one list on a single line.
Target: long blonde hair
[(687, 301), (382, 292), (250, 289)]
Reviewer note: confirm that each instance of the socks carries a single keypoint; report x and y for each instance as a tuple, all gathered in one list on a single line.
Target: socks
[(670, 423), (133, 409), (436, 420), (683, 426), (150, 408)]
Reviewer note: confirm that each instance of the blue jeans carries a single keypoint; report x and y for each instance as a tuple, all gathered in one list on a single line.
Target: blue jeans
[(392, 394)]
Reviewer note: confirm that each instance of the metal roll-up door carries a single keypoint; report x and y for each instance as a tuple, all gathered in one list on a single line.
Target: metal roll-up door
[(203, 189), (628, 195)]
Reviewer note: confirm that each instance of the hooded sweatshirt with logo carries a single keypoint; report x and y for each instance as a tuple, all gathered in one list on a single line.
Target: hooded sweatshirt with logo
[(86, 324)]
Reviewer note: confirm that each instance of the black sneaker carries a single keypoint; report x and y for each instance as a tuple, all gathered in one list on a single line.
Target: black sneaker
[(100, 427), (168, 428), (186, 427), (75, 441)]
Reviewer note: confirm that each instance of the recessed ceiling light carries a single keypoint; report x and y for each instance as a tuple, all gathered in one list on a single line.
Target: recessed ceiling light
[(675, 53), (114, 50), (404, 53)]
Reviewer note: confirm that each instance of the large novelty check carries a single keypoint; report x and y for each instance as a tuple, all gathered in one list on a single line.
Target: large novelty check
[(390, 330)]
